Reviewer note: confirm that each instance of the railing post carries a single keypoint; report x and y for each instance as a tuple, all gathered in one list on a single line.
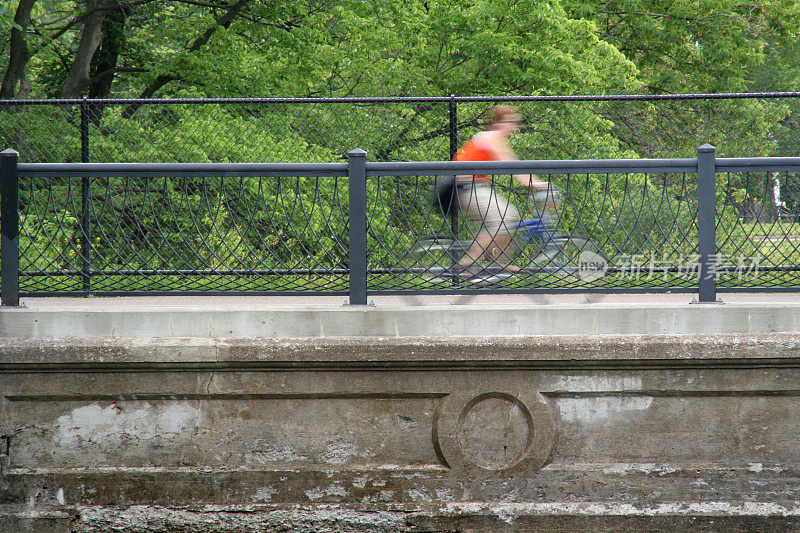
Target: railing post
[(9, 228), (357, 178), (84, 131), (453, 113), (86, 193), (454, 230), (706, 223)]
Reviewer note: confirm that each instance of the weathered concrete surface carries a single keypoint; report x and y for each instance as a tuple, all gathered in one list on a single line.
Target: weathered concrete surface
[(487, 518), (501, 518), (562, 432)]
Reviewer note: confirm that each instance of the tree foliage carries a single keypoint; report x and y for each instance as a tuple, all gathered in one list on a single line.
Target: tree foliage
[(687, 46), (315, 48), (352, 47)]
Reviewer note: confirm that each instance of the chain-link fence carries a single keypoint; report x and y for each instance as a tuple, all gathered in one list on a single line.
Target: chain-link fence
[(396, 129)]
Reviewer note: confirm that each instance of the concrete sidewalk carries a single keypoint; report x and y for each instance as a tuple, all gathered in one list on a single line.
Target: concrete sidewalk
[(401, 316), (410, 300)]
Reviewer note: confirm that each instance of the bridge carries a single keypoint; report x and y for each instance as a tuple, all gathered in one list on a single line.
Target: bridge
[(537, 412), (319, 376)]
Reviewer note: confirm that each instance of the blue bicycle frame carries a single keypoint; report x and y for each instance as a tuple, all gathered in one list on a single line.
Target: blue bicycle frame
[(535, 228)]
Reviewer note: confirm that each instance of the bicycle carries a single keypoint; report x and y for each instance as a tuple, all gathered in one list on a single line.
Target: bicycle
[(558, 254)]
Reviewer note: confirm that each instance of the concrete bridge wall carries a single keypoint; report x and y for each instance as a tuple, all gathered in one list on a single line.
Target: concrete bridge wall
[(691, 424)]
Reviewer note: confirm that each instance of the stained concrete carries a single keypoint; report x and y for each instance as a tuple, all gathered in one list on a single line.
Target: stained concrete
[(665, 416)]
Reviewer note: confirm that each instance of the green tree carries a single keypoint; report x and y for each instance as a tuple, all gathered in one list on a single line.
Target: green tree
[(691, 46)]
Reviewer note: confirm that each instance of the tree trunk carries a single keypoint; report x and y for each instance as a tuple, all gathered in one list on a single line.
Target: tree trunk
[(19, 51), (91, 36), (104, 64)]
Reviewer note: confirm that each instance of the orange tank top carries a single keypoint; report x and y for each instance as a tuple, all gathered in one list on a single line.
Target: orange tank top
[(471, 151)]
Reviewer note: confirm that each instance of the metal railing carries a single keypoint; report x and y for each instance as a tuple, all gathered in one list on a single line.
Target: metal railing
[(702, 224)]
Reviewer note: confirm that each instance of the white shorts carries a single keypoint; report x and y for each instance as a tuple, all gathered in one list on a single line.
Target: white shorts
[(483, 204)]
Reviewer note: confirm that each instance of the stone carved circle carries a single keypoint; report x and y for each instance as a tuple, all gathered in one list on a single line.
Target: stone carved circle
[(492, 431)]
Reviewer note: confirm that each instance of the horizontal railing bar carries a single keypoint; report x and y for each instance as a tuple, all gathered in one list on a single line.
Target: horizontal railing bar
[(372, 292), (400, 292), (400, 168), (632, 97), (57, 294), (578, 166), (576, 290), (534, 290), (342, 271), (399, 99), (134, 170), (207, 272), (775, 288), (758, 164)]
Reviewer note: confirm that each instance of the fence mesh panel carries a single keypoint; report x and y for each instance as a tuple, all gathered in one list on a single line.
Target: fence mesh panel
[(394, 130), (640, 230), (184, 234), (758, 230)]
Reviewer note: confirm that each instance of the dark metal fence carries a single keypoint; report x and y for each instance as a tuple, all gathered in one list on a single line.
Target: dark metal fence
[(396, 129), (702, 224)]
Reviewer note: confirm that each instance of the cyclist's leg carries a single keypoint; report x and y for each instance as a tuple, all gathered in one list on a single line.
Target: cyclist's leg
[(499, 220), (506, 226), (474, 201)]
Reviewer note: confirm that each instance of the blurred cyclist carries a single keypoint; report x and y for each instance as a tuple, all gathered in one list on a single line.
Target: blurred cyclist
[(481, 201)]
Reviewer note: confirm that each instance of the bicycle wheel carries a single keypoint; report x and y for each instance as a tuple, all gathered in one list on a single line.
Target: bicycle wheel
[(432, 257)]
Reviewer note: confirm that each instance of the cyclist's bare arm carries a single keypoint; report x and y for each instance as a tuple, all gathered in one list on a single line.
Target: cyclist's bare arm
[(503, 151), (532, 181)]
